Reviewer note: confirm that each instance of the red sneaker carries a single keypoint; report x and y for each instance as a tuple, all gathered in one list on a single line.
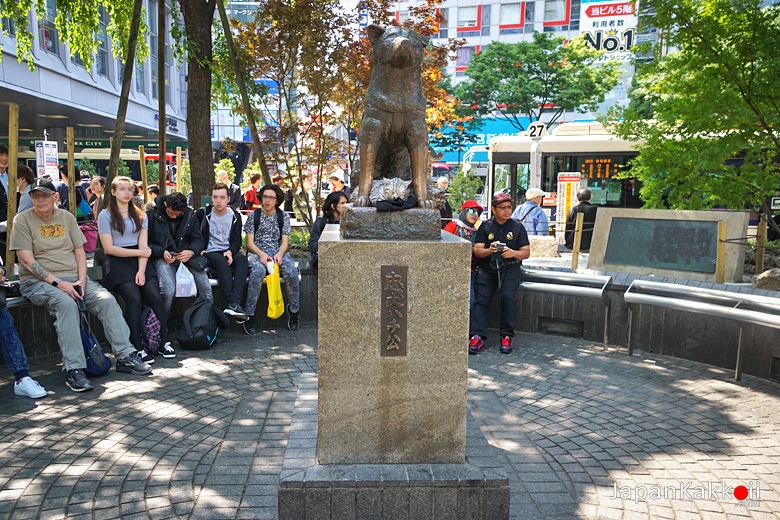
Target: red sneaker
[(476, 344), (506, 344)]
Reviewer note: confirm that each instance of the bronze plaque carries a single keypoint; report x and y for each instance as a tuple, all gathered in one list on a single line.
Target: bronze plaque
[(394, 316)]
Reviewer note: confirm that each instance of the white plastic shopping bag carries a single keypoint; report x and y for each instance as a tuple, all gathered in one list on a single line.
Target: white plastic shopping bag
[(185, 282)]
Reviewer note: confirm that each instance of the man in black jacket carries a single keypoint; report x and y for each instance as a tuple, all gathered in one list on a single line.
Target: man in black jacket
[(220, 226), (234, 191), (174, 237), (583, 195)]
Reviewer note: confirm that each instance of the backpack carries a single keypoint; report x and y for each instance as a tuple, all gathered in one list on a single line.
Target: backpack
[(151, 340), (98, 363), (200, 325), (279, 221)]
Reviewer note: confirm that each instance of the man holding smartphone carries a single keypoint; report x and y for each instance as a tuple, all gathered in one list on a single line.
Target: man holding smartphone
[(500, 245)]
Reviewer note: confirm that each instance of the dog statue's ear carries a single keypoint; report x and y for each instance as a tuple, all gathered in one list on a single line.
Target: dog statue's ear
[(374, 32)]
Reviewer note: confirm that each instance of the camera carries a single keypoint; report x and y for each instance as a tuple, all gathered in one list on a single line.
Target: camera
[(500, 246)]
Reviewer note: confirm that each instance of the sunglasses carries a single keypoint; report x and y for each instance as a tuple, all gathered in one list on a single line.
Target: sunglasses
[(474, 211)]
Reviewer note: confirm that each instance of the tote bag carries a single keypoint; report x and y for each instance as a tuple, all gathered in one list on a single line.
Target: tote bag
[(275, 299)]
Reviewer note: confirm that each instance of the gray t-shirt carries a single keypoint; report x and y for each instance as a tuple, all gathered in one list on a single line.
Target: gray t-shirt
[(267, 237), (219, 231), (127, 239)]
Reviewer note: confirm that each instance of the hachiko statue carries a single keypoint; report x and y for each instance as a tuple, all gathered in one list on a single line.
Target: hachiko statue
[(393, 129)]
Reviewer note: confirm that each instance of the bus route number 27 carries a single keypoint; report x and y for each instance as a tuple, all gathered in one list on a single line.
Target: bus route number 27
[(536, 130)]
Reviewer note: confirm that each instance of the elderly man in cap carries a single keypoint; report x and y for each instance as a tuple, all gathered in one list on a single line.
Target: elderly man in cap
[(53, 273), (530, 213), (500, 245)]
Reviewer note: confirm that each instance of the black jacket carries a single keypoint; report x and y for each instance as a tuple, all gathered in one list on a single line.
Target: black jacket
[(314, 237), (234, 242), (187, 235), (587, 225), (235, 197)]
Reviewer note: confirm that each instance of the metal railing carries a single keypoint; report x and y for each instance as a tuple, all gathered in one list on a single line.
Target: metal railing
[(742, 308), (570, 284)]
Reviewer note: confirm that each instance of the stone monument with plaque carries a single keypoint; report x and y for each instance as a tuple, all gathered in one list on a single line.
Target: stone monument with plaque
[(388, 435)]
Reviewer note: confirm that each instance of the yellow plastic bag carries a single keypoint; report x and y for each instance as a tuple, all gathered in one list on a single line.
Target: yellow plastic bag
[(275, 298)]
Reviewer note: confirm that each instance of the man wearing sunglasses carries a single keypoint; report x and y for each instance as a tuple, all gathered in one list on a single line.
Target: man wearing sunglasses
[(500, 245)]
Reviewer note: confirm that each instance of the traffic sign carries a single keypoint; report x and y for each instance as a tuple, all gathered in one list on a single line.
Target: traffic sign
[(537, 130)]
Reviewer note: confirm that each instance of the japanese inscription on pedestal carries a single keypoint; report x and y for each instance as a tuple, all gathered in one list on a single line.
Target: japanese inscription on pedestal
[(394, 310)]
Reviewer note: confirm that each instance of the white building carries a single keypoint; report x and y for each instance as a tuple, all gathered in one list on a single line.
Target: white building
[(61, 92)]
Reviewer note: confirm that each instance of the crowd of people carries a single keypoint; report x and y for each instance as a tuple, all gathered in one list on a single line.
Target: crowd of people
[(145, 243)]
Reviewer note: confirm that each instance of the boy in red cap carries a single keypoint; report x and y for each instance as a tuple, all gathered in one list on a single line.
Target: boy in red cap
[(500, 245)]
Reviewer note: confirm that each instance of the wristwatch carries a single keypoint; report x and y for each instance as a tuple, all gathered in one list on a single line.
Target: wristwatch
[(56, 282)]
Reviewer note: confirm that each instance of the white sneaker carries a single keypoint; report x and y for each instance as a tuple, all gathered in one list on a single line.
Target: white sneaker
[(145, 357), (29, 387)]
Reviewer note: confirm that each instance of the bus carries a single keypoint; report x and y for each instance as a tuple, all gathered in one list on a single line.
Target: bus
[(584, 148)]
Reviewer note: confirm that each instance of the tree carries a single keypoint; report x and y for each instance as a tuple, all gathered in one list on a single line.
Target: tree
[(532, 79), (454, 135), (297, 46), (198, 17), (716, 108), (464, 186)]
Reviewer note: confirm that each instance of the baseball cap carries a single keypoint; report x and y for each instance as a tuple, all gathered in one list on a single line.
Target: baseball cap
[(498, 198), (532, 193), (471, 204), (43, 185)]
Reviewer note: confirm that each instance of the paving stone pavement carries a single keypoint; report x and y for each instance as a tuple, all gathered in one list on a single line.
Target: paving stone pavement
[(583, 434)]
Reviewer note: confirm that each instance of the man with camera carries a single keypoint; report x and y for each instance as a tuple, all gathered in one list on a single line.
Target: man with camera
[(500, 245)]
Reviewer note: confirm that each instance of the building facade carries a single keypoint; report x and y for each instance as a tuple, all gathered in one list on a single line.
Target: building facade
[(62, 93)]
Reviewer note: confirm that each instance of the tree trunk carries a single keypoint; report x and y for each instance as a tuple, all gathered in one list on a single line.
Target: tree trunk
[(121, 113), (198, 16)]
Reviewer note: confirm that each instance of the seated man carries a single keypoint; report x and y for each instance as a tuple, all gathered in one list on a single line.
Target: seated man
[(267, 238), (174, 236), (220, 226), (53, 273)]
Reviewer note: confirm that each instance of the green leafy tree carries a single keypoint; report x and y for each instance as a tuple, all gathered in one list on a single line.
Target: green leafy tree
[(86, 165), (534, 79), (463, 186), (713, 138), (152, 172)]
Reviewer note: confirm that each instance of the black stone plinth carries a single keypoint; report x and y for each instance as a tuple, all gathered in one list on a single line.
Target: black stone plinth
[(410, 224), (386, 491)]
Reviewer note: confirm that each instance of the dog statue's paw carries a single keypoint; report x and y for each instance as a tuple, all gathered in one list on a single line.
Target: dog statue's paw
[(362, 202), (427, 203)]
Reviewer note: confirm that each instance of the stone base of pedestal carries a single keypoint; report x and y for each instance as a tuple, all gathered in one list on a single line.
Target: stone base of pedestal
[(386, 491)]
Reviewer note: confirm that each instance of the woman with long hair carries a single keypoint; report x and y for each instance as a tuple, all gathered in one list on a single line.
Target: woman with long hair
[(331, 214), (123, 229)]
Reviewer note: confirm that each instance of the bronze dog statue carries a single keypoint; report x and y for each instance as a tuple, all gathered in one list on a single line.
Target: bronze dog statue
[(393, 132)]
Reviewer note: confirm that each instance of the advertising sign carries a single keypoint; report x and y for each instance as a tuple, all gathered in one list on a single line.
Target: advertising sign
[(46, 159), (568, 185)]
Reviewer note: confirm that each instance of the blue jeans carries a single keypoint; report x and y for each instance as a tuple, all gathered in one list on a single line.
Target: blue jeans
[(166, 273), (257, 273), (13, 351)]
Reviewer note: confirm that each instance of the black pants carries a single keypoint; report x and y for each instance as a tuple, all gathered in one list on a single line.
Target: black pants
[(134, 298), (231, 278), (485, 284)]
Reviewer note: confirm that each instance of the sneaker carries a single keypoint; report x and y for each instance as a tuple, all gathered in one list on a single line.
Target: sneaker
[(476, 344), (249, 327), (167, 351), (29, 387), (235, 310), (292, 319), (132, 364), (77, 380), (506, 344), (145, 357)]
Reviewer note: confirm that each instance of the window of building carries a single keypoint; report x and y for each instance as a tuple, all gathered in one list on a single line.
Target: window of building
[(556, 13), (467, 16), (510, 15), (104, 51), (152, 25), (50, 41), (168, 72), (76, 59), (485, 20), (444, 25), (140, 78), (9, 27), (463, 58)]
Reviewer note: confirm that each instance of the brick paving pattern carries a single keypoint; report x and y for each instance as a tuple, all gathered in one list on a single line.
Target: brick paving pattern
[(205, 435)]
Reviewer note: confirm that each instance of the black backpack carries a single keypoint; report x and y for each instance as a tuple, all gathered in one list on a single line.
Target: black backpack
[(200, 325)]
